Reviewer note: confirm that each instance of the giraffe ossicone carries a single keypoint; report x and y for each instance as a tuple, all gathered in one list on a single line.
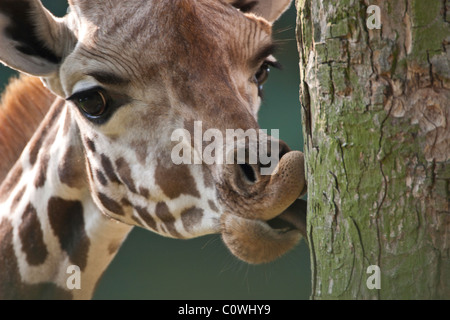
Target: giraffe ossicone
[(89, 156)]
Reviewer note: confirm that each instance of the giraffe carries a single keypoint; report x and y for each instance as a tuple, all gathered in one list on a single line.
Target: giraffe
[(86, 136)]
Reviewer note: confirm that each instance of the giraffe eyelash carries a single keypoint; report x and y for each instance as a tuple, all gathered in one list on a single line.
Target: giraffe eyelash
[(80, 93), (274, 63)]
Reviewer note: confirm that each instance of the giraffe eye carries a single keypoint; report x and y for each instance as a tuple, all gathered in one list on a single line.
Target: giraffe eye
[(93, 103), (263, 74)]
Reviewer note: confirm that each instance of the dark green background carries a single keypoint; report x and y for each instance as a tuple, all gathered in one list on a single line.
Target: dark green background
[(149, 266)]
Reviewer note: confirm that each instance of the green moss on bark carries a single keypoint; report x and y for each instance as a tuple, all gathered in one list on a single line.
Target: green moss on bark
[(428, 30), (375, 194)]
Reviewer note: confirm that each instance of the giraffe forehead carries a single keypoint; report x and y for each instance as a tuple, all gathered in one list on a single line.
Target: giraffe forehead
[(138, 20), (140, 38)]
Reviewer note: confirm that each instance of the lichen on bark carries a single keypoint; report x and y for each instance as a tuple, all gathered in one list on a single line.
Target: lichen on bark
[(377, 146)]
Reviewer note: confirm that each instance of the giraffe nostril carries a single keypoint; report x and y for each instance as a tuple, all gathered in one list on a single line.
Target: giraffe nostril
[(248, 172)]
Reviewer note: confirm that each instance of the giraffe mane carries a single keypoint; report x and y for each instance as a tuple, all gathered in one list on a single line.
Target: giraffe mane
[(23, 106)]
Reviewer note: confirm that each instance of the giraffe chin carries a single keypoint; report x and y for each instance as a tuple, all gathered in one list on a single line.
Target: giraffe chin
[(256, 241)]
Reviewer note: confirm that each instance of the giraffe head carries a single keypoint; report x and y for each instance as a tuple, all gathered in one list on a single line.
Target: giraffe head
[(135, 72)]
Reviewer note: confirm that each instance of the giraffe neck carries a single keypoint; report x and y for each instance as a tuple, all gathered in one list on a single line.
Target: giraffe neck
[(48, 220)]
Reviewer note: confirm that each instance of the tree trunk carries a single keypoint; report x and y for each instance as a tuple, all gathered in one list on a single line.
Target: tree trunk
[(376, 115)]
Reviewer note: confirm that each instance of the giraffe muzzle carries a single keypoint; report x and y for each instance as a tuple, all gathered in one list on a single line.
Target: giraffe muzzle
[(268, 219)]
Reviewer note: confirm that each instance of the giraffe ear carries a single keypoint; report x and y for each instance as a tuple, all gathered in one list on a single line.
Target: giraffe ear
[(32, 40), (271, 10)]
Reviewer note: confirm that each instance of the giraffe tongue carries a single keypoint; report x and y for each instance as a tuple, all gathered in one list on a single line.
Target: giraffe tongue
[(294, 217)]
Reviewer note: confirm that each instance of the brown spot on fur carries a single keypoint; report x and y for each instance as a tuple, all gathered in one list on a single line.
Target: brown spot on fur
[(109, 169), (91, 145), (111, 205), (8, 185), (175, 181), (213, 206), (145, 215), (70, 168), (163, 213), (9, 271), (125, 202), (101, 178), (144, 192), (41, 177), (191, 217), (138, 222), (11, 285), (32, 238), (124, 171), (23, 107), (67, 221)]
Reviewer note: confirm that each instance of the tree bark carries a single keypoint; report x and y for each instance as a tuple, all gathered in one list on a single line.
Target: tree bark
[(376, 121)]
